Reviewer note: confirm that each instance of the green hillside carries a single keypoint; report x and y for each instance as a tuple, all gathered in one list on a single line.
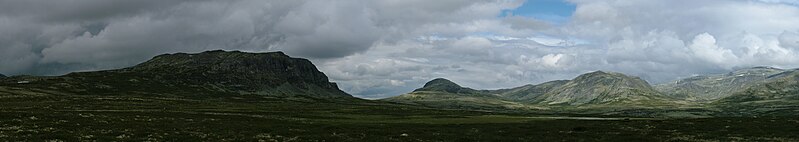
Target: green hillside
[(606, 88)]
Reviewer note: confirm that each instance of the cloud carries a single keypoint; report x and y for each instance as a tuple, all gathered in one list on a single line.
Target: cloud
[(104, 34), (704, 46), (376, 49), (657, 40)]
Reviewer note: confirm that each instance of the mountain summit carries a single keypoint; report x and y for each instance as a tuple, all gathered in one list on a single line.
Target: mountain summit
[(443, 85)]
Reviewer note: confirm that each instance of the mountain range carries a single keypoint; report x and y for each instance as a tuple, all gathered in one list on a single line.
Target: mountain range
[(749, 90), (758, 90), (598, 88)]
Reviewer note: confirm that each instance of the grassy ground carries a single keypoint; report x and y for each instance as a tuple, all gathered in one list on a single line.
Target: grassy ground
[(252, 118)]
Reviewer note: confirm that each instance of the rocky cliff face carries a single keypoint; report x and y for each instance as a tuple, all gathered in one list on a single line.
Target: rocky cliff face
[(237, 71), (596, 88), (211, 72)]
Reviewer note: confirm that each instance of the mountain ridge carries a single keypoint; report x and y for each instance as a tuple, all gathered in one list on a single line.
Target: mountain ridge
[(595, 88), (716, 86), (211, 72), (600, 87)]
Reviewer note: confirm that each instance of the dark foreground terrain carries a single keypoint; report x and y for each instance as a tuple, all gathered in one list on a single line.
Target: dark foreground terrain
[(253, 118)]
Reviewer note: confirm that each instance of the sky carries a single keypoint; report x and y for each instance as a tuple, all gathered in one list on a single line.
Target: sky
[(382, 48)]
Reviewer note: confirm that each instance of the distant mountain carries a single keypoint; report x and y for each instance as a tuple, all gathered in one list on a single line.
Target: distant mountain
[(1, 75), (529, 93), (779, 90), (604, 88), (714, 87), (596, 88), (443, 93), (444, 85), (206, 73)]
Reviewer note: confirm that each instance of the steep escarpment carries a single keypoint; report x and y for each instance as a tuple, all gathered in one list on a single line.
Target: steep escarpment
[(211, 72)]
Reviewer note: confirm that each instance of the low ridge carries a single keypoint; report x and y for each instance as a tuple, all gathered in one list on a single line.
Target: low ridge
[(529, 93)]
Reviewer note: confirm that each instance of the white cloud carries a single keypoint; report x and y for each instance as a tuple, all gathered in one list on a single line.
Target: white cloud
[(704, 46), (381, 48)]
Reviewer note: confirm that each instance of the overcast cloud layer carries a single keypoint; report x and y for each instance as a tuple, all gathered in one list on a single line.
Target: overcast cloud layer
[(375, 49)]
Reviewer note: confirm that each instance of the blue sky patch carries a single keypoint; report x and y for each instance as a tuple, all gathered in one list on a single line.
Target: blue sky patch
[(555, 11)]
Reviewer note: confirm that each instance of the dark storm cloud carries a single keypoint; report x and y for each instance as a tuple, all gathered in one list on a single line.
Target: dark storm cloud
[(55, 37), (80, 10)]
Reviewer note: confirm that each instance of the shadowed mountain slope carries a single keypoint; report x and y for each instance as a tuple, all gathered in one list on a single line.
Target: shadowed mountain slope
[(206, 73)]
